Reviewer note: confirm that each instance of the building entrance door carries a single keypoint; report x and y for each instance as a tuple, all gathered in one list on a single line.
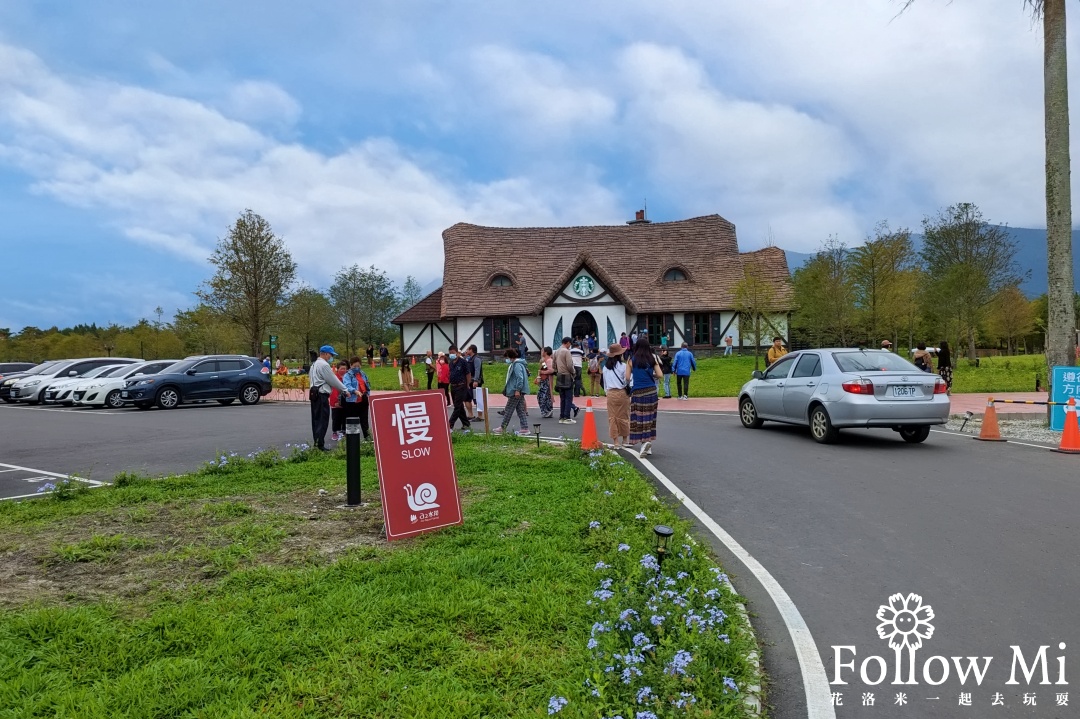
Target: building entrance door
[(584, 325)]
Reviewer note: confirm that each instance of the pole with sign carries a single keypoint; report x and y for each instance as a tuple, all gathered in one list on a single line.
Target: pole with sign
[(352, 461), (417, 480)]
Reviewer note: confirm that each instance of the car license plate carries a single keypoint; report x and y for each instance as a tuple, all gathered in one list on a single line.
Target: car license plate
[(905, 391)]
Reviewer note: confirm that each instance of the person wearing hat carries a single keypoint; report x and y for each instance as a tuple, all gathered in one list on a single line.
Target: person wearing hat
[(322, 381), (886, 345), (618, 395)]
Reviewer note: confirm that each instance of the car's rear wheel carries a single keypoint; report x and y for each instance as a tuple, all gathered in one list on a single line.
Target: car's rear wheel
[(748, 414), (249, 394), (168, 398), (821, 427), (225, 402), (113, 400), (915, 434)]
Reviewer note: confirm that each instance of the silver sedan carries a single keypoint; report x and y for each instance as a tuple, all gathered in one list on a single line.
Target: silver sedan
[(829, 389)]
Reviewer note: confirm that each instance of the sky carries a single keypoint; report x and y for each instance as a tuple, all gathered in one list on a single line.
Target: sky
[(132, 135)]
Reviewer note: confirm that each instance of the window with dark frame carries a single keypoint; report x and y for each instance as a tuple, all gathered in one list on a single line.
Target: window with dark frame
[(501, 281), (500, 334), (655, 325), (702, 328), (674, 275)]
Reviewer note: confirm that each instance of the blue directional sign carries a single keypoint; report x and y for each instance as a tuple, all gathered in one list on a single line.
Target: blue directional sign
[(1065, 383)]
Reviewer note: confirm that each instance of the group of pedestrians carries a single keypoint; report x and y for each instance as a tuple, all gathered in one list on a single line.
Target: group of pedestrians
[(340, 394), (923, 358)]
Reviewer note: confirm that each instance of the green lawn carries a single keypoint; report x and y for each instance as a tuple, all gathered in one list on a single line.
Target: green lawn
[(242, 591)]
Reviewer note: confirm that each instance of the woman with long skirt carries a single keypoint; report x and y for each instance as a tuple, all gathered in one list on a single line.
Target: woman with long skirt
[(644, 370), (543, 383)]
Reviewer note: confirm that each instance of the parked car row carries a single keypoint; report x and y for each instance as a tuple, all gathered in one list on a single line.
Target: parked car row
[(115, 382)]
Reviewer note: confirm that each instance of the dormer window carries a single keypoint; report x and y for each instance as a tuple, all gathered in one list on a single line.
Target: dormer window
[(501, 281), (674, 275)]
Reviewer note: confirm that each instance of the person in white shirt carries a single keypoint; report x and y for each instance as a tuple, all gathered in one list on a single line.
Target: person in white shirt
[(322, 380), (618, 396), (576, 355)]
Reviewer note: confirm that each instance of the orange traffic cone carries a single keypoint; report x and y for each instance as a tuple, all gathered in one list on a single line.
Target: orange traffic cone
[(1070, 438), (589, 439), (990, 431)]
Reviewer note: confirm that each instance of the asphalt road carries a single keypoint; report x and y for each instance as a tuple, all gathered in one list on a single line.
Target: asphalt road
[(984, 532)]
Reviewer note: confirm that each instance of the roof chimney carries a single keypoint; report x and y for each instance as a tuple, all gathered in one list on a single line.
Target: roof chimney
[(639, 219)]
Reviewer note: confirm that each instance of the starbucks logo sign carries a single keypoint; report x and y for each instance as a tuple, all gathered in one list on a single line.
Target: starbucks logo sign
[(584, 286)]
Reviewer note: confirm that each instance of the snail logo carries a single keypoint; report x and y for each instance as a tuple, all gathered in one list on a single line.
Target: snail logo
[(424, 498), (584, 286)]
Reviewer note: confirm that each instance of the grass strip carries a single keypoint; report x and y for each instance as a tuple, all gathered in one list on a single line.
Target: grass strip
[(490, 619)]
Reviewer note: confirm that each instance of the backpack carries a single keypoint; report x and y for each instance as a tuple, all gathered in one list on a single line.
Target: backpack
[(594, 366)]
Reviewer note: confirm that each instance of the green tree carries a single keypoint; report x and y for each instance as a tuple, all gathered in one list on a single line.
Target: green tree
[(411, 293), (203, 330), (755, 299), (967, 262), (364, 301), (1061, 309), (254, 273), (1012, 317), (879, 273), (825, 296), (309, 317)]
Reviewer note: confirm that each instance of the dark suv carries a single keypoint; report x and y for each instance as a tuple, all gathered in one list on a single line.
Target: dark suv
[(224, 378)]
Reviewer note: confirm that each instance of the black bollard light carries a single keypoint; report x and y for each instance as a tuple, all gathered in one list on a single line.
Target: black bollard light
[(352, 461), (536, 431), (967, 415), (663, 539)]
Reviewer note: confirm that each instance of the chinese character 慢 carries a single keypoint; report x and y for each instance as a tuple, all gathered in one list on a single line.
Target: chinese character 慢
[(901, 699), (837, 699), (413, 419), (1063, 699), (868, 699), (965, 699), (998, 700), (1029, 700)]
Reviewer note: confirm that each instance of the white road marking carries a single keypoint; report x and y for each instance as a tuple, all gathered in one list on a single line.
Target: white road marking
[(1011, 441), (54, 475), (70, 410), (815, 681)]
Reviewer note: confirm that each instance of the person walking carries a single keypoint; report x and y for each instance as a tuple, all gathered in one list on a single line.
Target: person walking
[(337, 405), (727, 345), (543, 383), (683, 364), (384, 354), (370, 355), (624, 342), (429, 367), (577, 355), (405, 375), (442, 369), (515, 391), (596, 369), (564, 381), (665, 367), (618, 398), (356, 404), (460, 382), (475, 405), (522, 346), (944, 366), (322, 380), (922, 358), (643, 370)]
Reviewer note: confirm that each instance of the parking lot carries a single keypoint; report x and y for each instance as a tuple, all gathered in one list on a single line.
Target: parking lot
[(43, 444)]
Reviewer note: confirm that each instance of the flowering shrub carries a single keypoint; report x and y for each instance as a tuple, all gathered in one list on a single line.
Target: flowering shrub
[(228, 461), (667, 639)]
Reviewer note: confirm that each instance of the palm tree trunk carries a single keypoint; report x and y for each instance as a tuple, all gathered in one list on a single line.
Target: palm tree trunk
[(1060, 334)]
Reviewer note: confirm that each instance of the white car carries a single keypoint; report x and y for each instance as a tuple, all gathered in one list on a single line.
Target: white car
[(31, 389), (105, 391), (59, 391)]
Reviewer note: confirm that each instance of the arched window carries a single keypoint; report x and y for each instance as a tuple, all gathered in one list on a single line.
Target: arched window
[(674, 275), (501, 281)]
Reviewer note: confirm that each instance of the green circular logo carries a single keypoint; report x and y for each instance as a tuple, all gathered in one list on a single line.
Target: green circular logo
[(584, 286)]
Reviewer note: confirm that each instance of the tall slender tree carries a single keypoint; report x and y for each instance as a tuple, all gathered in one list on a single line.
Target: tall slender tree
[(254, 273), (1061, 322)]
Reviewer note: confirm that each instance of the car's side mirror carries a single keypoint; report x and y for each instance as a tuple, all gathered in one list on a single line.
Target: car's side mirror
[(757, 374), (73, 373), (190, 371)]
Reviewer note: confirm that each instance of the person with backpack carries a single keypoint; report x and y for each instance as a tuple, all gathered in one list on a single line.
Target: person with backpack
[(515, 391), (923, 359), (595, 369), (665, 365)]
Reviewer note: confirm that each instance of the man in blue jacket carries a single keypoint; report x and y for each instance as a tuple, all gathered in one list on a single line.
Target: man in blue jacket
[(683, 364)]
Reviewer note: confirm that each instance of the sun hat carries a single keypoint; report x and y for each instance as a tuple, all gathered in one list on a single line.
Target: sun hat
[(328, 350), (886, 343), (615, 350)]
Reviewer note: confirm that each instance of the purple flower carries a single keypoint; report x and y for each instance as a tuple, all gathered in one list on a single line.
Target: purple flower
[(685, 698), (640, 640), (624, 547), (601, 565), (627, 613), (645, 715), (729, 682), (555, 704), (640, 515), (643, 694), (656, 620), (678, 662), (603, 594), (606, 584), (649, 562), (593, 644), (725, 638), (598, 628), (594, 525)]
